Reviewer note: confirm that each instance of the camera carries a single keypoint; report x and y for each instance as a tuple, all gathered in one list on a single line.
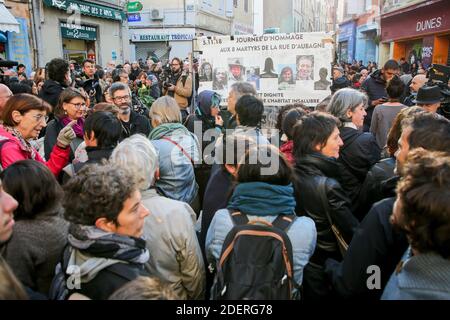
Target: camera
[(439, 75)]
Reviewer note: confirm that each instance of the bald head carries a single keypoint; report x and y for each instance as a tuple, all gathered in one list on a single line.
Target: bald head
[(5, 94), (418, 82)]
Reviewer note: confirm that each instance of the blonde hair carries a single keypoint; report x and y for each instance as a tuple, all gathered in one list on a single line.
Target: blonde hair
[(144, 288), (165, 110)]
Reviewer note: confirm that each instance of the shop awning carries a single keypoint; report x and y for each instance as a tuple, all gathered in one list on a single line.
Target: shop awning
[(7, 20)]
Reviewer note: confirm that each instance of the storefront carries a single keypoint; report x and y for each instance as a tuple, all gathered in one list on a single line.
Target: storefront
[(346, 40), (162, 43), (15, 34), (366, 46), (78, 30), (78, 42), (419, 32)]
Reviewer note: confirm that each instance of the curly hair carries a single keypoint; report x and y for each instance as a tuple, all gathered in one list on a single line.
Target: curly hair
[(97, 191), (423, 196)]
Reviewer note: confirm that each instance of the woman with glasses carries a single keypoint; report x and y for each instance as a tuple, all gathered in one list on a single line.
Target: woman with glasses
[(24, 116), (71, 107)]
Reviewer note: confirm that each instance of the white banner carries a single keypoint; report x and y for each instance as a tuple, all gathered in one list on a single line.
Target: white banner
[(284, 68)]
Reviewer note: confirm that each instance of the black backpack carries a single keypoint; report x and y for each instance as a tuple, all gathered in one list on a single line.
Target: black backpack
[(256, 262)]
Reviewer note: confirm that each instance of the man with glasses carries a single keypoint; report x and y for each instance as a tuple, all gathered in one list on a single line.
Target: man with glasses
[(5, 94), (178, 84), (132, 122)]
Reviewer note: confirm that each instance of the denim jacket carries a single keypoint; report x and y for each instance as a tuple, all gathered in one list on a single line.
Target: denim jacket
[(177, 179), (302, 234)]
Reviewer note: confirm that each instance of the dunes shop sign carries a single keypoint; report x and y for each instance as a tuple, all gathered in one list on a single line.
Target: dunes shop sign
[(85, 8), (80, 32)]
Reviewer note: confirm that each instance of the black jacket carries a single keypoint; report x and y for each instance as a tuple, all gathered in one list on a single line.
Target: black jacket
[(308, 171), (375, 243), (107, 280), (95, 155), (375, 87), (137, 124), (51, 134), (50, 92), (371, 190), (358, 154)]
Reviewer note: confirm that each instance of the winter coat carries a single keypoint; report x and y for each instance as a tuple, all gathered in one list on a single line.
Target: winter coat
[(50, 92), (35, 248), (358, 154), (13, 151), (375, 87), (102, 261), (375, 242), (308, 171), (175, 255), (371, 190), (422, 277), (177, 178), (137, 124), (95, 155), (51, 135), (183, 90), (302, 234)]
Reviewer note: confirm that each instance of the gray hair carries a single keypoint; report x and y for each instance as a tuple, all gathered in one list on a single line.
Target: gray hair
[(116, 86), (140, 157), (346, 99), (243, 88)]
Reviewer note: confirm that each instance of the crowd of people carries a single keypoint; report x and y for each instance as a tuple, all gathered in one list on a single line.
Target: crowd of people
[(111, 188)]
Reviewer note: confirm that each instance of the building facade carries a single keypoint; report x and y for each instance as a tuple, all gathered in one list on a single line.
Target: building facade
[(166, 29), (17, 45), (298, 15), (359, 32), (76, 30), (417, 31)]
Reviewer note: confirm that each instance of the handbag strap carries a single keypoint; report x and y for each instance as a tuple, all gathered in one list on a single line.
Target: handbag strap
[(323, 197), (179, 147)]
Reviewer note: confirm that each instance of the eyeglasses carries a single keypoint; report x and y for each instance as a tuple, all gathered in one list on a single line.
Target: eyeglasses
[(78, 106), (40, 117), (124, 98)]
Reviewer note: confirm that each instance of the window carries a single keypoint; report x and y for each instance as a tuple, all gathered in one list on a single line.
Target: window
[(235, 3), (368, 5), (246, 6)]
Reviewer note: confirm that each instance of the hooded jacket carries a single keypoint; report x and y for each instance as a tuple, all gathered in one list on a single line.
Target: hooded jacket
[(50, 92)]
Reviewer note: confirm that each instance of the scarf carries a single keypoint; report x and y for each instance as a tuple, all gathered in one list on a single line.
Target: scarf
[(166, 129), (24, 144), (78, 127), (288, 150), (263, 199)]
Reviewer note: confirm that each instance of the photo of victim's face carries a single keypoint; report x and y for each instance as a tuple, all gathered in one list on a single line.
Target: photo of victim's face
[(236, 69), (305, 67)]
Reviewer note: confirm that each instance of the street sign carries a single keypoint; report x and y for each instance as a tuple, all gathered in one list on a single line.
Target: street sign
[(134, 6), (134, 17)]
